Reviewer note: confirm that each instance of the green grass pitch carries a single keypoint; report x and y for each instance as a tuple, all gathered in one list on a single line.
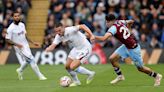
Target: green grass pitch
[(134, 82)]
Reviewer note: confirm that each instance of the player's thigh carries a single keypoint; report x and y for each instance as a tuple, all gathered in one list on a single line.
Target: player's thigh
[(121, 51), (136, 57)]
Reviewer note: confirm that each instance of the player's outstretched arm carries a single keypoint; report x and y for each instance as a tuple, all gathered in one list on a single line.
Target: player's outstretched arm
[(50, 48), (103, 38), (88, 31)]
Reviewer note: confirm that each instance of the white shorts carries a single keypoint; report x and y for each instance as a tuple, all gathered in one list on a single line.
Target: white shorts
[(82, 54), (25, 52)]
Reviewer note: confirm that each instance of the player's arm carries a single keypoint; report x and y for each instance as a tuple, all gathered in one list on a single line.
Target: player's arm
[(111, 31), (50, 48), (34, 43), (103, 38), (88, 31), (56, 41)]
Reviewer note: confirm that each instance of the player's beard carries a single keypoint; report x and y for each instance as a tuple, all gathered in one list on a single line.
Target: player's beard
[(17, 22)]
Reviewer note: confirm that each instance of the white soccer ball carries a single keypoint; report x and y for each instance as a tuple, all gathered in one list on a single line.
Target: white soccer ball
[(65, 81)]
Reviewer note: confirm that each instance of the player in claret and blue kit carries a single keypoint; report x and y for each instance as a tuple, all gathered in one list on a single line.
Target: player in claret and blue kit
[(129, 48)]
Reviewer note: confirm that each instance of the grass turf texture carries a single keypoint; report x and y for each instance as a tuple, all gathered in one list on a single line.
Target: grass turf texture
[(134, 82)]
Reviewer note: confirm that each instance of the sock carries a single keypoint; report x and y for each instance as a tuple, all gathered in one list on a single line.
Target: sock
[(35, 68), (117, 71), (153, 74), (73, 75), (23, 66), (83, 70)]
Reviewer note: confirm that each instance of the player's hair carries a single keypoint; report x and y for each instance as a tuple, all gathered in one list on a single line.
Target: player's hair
[(58, 25), (14, 13), (110, 17)]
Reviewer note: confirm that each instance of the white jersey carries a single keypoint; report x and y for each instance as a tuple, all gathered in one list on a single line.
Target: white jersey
[(16, 33), (73, 37)]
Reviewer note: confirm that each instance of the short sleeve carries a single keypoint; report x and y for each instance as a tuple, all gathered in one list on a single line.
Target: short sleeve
[(112, 30), (57, 39), (24, 28), (8, 34)]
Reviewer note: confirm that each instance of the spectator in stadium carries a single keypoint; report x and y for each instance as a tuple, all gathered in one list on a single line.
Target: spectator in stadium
[(143, 41), (154, 43), (66, 21)]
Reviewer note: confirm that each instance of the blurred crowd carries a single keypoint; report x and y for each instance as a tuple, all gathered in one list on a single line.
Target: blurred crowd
[(7, 7), (148, 15)]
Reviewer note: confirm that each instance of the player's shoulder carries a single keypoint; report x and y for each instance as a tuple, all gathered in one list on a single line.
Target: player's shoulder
[(21, 24), (11, 26)]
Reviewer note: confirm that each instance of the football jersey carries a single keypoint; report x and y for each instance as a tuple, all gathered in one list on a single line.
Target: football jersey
[(73, 37), (123, 34), (16, 33)]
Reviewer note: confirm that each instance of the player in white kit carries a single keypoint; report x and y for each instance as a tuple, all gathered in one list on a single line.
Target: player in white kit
[(80, 52), (16, 36)]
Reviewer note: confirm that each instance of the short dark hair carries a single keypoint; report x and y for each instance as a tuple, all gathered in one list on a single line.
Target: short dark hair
[(14, 12), (110, 17), (58, 24)]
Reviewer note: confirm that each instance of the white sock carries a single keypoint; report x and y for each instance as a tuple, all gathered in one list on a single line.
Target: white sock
[(23, 66), (73, 75), (83, 70), (35, 68)]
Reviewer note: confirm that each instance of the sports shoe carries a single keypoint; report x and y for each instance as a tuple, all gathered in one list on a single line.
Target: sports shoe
[(73, 84), (118, 79), (20, 74), (90, 78), (43, 78), (158, 80)]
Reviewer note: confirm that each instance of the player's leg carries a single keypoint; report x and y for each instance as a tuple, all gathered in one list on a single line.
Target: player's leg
[(70, 59), (114, 59), (135, 54), (23, 65), (82, 56), (35, 68), (72, 72)]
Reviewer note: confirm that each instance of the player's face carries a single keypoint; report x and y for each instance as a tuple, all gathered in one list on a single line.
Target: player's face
[(16, 17), (109, 23), (59, 31)]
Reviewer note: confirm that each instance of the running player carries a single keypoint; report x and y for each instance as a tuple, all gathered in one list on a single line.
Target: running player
[(129, 48), (16, 36), (80, 52)]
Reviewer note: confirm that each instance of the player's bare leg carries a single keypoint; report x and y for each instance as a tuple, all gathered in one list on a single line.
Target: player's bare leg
[(114, 59), (71, 71), (151, 73)]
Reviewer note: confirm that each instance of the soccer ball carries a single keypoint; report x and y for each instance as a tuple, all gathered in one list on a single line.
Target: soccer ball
[(65, 81)]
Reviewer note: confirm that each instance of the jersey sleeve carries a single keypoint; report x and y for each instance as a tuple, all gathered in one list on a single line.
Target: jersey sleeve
[(57, 39), (24, 28), (9, 33), (112, 30)]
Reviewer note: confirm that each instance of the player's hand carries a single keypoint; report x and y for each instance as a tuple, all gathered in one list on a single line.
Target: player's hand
[(19, 46), (48, 49), (92, 38)]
